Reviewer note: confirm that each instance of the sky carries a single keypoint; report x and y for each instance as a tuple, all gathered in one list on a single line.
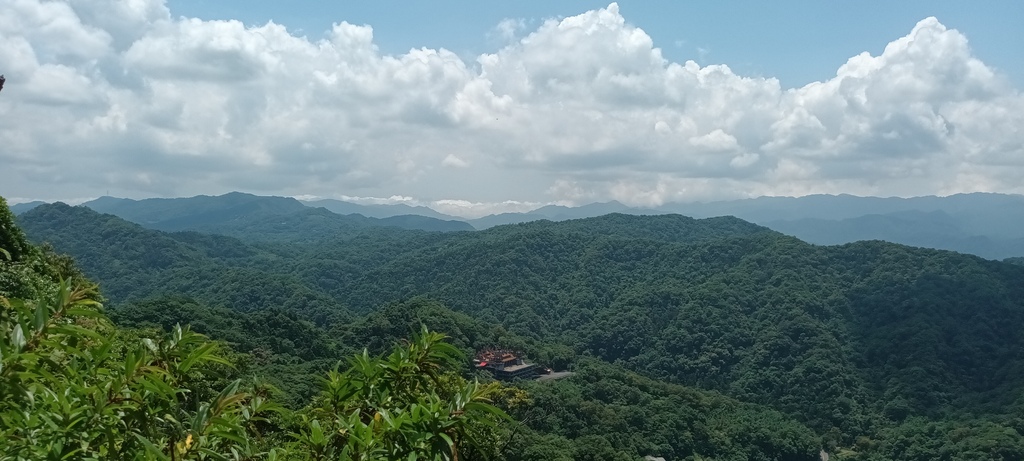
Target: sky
[(474, 108)]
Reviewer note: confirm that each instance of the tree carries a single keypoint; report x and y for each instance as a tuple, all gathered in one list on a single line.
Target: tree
[(74, 387), (408, 405)]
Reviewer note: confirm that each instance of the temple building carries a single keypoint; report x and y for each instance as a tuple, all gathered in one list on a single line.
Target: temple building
[(505, 365)]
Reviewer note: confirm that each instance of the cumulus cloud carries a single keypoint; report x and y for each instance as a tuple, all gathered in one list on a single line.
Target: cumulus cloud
[(453, 161), (508, 29), (121, 96)]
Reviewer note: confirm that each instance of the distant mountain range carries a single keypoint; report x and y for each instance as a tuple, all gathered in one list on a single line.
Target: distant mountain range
[(987, 225), (20, 208), (379, 211), (256, 217), (984, 224)]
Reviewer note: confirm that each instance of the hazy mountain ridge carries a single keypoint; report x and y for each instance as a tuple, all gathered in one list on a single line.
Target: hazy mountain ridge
[(246, 215), (378, 211), (983, 224), (20, 208), (172, 214), (932, 229)]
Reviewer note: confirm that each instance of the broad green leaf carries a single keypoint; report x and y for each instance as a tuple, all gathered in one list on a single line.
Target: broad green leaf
[(18, 338), (40, 317), (82, 312)]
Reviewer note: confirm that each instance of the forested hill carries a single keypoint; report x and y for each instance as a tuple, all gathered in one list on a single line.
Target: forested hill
[(871, 340), (134, 263)]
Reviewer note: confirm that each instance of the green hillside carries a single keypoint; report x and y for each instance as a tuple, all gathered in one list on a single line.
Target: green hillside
[(130, 391), (882, 350)]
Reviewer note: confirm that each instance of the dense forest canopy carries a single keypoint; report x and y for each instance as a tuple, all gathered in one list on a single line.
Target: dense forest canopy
[(868, 350)]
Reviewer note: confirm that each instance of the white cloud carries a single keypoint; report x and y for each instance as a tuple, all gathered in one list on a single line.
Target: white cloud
[(508, 29), (716, 140), (744, 160), (470, 209), (392, 200), (453, 161), (119, 95)]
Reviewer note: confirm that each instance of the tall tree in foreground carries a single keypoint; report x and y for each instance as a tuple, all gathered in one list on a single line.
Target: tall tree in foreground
[(74, 387), (70, 391), (411, 404)]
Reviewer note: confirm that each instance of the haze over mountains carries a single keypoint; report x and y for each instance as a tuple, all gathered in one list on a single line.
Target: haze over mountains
[(983, 224), (237, 213)]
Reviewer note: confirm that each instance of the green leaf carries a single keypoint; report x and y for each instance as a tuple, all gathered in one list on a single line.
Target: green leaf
[(230, 436), (151, 449), (151, 345), (447, 439), (73, 330), (82, 312), (205, 354), (157, 386), (18, 338), (40, 316)]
